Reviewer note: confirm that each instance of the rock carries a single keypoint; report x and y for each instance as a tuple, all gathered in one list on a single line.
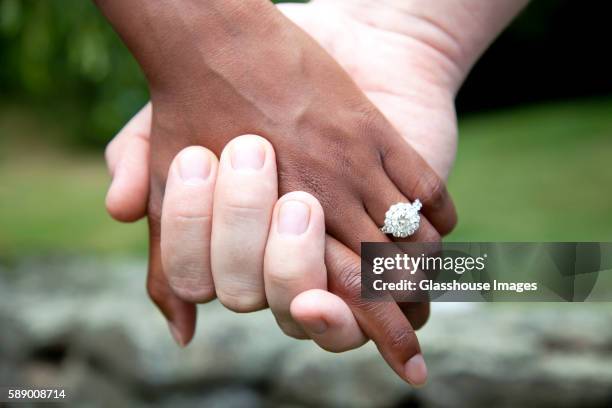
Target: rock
[(358, 378), (108, 317), (226, 397), (88, 324), (503, 355)]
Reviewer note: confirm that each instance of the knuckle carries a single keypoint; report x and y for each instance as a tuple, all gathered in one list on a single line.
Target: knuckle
[(349, 280), (187, 216), (282, 280), (332, 348), (243, 208), (185, 213), (289, 273), (341, 347), (372, 123), (292, 330), (433, 191), (242, 212), (401, 338), (242, 301), (188, 273), (192, 292)]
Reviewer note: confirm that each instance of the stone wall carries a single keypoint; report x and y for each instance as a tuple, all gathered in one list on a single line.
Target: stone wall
[(88, 326)]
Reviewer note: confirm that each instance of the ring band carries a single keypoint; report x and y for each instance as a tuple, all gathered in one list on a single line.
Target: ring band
[(403, 219)]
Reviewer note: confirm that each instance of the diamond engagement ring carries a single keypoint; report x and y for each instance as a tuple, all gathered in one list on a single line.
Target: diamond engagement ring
[(402, 219)]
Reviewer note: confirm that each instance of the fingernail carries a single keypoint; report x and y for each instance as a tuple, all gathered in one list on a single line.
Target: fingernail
[(416, 370), (316, 326), (293, 217), (194, 165), (176, 334), (248, 154)]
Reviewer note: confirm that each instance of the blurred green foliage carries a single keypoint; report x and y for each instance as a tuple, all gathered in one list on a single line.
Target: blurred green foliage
[(63, 56), (533, 173), (65, 73)]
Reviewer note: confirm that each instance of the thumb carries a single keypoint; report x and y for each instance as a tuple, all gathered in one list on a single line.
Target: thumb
[(127, 158)]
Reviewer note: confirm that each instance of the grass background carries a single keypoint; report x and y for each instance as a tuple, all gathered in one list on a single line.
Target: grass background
[(534, 173)]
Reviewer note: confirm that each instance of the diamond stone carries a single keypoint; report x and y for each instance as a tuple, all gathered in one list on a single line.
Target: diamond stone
[(403, 219)]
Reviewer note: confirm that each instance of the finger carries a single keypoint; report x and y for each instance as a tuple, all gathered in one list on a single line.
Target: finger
[(382, 321), (362, 227), (186, 224), (126, 199), (294, 260), (366, 229), (386, 195), (417, 313), (139, 127), (245, 195), (181, 315), (416, 180), (128, 162), (327, 320), (127, 157)]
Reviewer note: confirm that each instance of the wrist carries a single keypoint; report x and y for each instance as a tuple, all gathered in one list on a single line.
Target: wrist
[(174, 39), (458, 31), (429, 46)]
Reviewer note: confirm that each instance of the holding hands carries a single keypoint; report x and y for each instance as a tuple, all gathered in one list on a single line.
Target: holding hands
[(225, 234), (355, 102)]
